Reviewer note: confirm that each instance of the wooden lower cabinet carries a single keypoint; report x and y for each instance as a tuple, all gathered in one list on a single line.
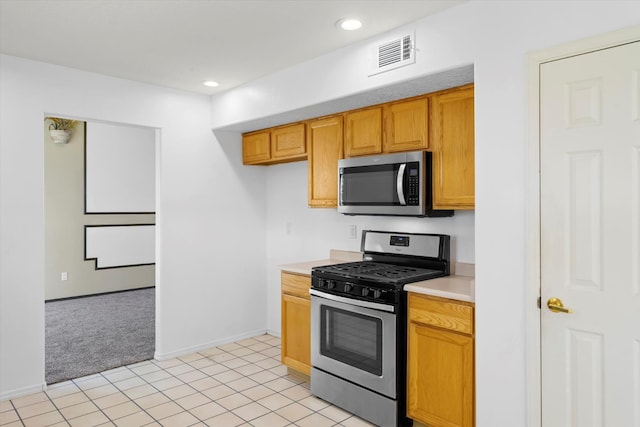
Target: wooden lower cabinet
[(440, 370), (296, 322)]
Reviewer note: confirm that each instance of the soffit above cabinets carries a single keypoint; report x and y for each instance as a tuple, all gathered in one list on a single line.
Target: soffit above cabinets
[(425, 84)]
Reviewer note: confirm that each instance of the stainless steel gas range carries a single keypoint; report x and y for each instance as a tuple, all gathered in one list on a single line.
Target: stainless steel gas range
[(358, 323)]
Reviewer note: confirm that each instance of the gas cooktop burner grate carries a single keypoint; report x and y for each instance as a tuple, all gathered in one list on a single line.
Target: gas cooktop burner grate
[(379, 271)]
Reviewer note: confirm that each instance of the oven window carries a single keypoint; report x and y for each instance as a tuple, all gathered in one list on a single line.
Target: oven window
[(351, 338)]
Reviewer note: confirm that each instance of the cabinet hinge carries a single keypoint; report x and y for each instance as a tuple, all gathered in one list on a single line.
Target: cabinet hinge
[(539, 302)]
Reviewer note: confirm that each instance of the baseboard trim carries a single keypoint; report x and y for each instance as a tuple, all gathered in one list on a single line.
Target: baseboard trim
[(99, 294), (274, 333), (19, 392), (216, 343)]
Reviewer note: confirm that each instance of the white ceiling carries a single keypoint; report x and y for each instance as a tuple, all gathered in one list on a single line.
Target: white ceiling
[(181, 43)]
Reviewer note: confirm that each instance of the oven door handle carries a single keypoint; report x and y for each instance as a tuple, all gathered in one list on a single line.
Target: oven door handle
[(351, 301)]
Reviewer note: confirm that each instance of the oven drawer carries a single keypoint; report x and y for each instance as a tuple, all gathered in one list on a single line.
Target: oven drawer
[(441, 313), (296, 285)]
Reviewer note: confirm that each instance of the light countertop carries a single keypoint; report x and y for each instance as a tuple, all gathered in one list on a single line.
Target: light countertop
[(461, 288), (461, 285), (335, 257), (305, 267)]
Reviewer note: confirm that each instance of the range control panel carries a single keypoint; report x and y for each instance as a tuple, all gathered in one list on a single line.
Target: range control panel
[(365, 292)]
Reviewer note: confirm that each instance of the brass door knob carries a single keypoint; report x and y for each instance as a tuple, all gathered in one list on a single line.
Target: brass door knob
[(555, 305)]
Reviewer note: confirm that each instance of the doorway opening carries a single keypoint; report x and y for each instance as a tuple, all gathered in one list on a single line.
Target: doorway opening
[(100, 266)]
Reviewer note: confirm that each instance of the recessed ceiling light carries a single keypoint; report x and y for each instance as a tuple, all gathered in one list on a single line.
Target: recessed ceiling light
[(349, 24), (211, 83)]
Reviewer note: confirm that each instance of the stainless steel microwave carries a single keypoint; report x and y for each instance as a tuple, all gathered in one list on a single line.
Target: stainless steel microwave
[(387, 184)]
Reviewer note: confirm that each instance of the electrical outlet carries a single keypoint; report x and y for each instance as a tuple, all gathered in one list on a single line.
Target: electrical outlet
[(353, 232), (64, 276)]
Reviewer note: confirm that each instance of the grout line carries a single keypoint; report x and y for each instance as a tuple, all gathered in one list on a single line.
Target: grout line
[(184, 383), (17, 413), (130, 399), (91, 400)]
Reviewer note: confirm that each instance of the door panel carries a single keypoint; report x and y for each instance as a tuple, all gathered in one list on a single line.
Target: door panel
[(590, 238)]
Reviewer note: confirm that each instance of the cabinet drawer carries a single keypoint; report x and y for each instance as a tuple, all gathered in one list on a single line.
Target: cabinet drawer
[(296, 284), (441, 313)]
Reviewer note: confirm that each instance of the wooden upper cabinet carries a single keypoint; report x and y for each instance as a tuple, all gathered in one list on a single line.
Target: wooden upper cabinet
[(452, 142), (363, 132), (405, 126), (442, 122), (325, 148), (288, 142), (256, 147), (277, 145)]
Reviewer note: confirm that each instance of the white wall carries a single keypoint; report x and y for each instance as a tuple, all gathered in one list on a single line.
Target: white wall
[(211, 226), (496, 37)]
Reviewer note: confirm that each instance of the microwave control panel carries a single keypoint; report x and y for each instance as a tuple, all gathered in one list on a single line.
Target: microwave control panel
[(413, 185)]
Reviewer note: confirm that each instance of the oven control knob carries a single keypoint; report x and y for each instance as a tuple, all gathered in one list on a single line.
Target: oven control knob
[(365, 291), (321, 283), (347, 287), (376, 294), (331, 284)]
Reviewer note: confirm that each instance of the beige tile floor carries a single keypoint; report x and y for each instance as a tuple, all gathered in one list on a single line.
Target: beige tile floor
[(237, 384)]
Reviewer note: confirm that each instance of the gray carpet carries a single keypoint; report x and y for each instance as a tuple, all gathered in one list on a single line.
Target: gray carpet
[(92, 334)]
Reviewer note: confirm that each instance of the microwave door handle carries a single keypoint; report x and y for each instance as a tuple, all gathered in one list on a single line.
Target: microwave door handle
[(400, 184)]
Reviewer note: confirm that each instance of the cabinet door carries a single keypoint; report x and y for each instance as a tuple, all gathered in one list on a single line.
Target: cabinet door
[(296, 333), (363, 132), (405, 126), (452, 127), (324, 144), (256, 148), (288, 143), (440, 377)]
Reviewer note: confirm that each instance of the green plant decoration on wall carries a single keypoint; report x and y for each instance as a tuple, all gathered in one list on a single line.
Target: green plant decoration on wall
[(60, 129)]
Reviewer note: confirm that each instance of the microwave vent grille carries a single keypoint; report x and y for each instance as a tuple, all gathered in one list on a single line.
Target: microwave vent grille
[(391, 54)]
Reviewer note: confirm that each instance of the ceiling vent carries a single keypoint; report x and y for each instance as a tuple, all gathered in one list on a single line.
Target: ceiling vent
[(392, 54)]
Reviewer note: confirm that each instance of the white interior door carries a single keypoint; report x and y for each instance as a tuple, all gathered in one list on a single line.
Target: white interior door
[(590, 238)]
